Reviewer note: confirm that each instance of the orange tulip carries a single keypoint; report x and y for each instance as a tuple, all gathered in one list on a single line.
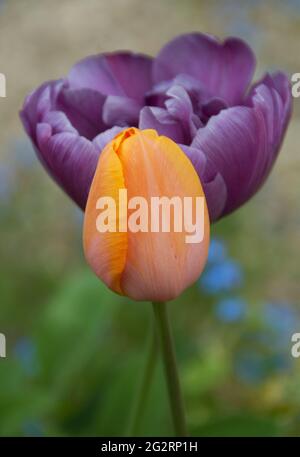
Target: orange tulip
[(125, 243)]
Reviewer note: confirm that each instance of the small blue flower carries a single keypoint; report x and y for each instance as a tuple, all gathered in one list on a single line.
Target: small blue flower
[(282, 321), (222, 277), (231, 309), (281, 362), (217, 251), (251, 366), (281, 317)]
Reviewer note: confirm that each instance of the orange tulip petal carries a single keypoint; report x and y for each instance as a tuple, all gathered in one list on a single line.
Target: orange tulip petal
[(105, 252), (159, 266), (155, 266)]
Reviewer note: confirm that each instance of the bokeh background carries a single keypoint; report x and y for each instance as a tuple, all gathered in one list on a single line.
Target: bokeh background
[(75, 351)]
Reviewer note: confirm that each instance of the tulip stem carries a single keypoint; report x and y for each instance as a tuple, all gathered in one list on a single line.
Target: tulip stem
[(146, 381), (171, 370)]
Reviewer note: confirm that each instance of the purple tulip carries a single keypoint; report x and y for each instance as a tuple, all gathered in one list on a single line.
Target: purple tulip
[(195, 92)]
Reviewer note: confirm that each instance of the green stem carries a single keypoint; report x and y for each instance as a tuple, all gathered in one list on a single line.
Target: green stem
[(171, 370), (148, 373)]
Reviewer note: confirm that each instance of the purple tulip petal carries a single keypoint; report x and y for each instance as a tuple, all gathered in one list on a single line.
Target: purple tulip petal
[(231, 142), (216, 196), (225, 69), (213, 107), (124, 74), (160, 120), (158, 94), (180, 107), (278, 85), (197, 157), (213, 183), (121, 111), (38, 103), (104, 138), (242, 143), (70, 159), (187, 93), (83, 108), (272, 102), (58, 122)]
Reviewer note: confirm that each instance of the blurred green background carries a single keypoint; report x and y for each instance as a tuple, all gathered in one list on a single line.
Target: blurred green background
[(75, 351)]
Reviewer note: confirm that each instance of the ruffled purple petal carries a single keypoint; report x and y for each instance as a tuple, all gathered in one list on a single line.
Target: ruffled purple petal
[(215, 192), (177, 120), (160, 120), (121, 111), (242, 142), (38, 103), (212, 182), (225, 69), (69, 158), (124, 74), (212, 107), (180, 107), (58, 122), (158, 94), (279, 87), (189, 91), (104, 138), (83, 108), (271, 101)]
